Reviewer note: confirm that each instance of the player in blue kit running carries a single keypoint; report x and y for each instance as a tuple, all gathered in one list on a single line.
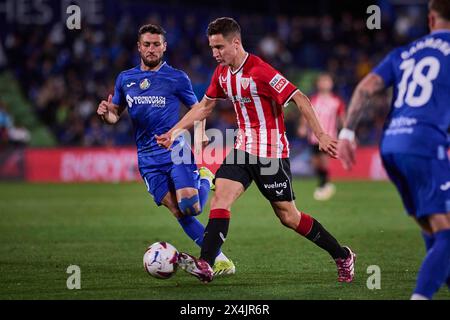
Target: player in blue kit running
[(414, 145), (152, 92)]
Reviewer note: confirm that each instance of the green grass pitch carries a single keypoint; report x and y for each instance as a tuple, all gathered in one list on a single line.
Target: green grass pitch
[(105, 229)]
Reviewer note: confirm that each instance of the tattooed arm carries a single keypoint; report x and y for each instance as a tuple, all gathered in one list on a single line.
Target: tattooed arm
[(368, 86)]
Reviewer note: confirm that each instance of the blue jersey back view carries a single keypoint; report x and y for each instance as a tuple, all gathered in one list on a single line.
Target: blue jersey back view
[(415, 142), (420, 113), (153, 99)]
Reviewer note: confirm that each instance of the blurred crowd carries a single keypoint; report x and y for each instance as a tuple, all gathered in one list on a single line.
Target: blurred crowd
[(66, 73)]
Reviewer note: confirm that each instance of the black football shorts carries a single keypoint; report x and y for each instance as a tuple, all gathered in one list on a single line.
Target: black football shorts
[(272, 176)]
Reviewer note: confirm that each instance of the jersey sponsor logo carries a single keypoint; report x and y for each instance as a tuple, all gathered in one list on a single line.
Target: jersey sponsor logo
[(239, 99), (129, 101), (131, 84), (245, 82), (279, 193), (144, 84), (276, 185), (401, 125), (402, 121), (278, 82), (152, 101), (445, 186)]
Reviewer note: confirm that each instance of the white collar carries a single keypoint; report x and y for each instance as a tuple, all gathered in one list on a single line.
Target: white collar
[(240, 67)]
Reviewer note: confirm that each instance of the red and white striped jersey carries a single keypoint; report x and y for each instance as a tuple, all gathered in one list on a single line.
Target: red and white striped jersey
[(258, 93), (327, 108)]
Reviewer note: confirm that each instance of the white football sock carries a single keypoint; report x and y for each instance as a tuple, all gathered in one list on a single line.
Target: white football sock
[(221, 257)]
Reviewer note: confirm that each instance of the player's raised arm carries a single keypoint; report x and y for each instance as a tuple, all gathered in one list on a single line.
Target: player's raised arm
[(326, 143), (302, 130), (108, 111), (368, 86), (198, 112)]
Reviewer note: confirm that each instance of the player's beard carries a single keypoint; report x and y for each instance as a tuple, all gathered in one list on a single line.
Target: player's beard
[(151, 63)]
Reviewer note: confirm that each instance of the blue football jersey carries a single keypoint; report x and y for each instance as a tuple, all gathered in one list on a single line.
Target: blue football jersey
[(153, 99), (420, 113)]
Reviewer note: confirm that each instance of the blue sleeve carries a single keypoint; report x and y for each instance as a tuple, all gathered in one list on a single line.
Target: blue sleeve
[(184, 91), (385, 69), (118, 97)]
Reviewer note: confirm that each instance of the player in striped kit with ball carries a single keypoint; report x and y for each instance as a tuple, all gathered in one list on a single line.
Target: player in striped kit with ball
[(261, 152)]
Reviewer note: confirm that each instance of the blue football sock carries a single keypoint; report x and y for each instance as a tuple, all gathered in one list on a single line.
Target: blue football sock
[(203, 192), (434, 270), (429, 241), (193, 228)]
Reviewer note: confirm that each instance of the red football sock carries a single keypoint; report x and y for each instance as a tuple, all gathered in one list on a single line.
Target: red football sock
[(215, 234), (312, 230), (305, 225)]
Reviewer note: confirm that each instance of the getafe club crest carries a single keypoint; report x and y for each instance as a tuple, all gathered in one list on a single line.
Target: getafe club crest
[(144, 84), (245, 82)]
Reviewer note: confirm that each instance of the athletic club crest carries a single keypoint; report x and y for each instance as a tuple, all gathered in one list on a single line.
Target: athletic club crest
[(144, 84), (245, 82)]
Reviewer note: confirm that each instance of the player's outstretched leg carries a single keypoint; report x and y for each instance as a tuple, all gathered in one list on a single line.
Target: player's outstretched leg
[(312, 230), (227, 191), (434, 270), (201, 268), (428, 238), (344, 257), (222, 265), (195, 230), (215, 234)]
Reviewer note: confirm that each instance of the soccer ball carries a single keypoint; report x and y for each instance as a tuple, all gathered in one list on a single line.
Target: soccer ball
[(161, 260)]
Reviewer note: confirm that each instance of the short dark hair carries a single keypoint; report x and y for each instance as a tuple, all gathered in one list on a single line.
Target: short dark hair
[(151, 28), (224, 26), (442, 7)]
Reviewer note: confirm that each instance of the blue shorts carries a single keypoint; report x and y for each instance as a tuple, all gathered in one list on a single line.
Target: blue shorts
[(423, 183), (169, 177)]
